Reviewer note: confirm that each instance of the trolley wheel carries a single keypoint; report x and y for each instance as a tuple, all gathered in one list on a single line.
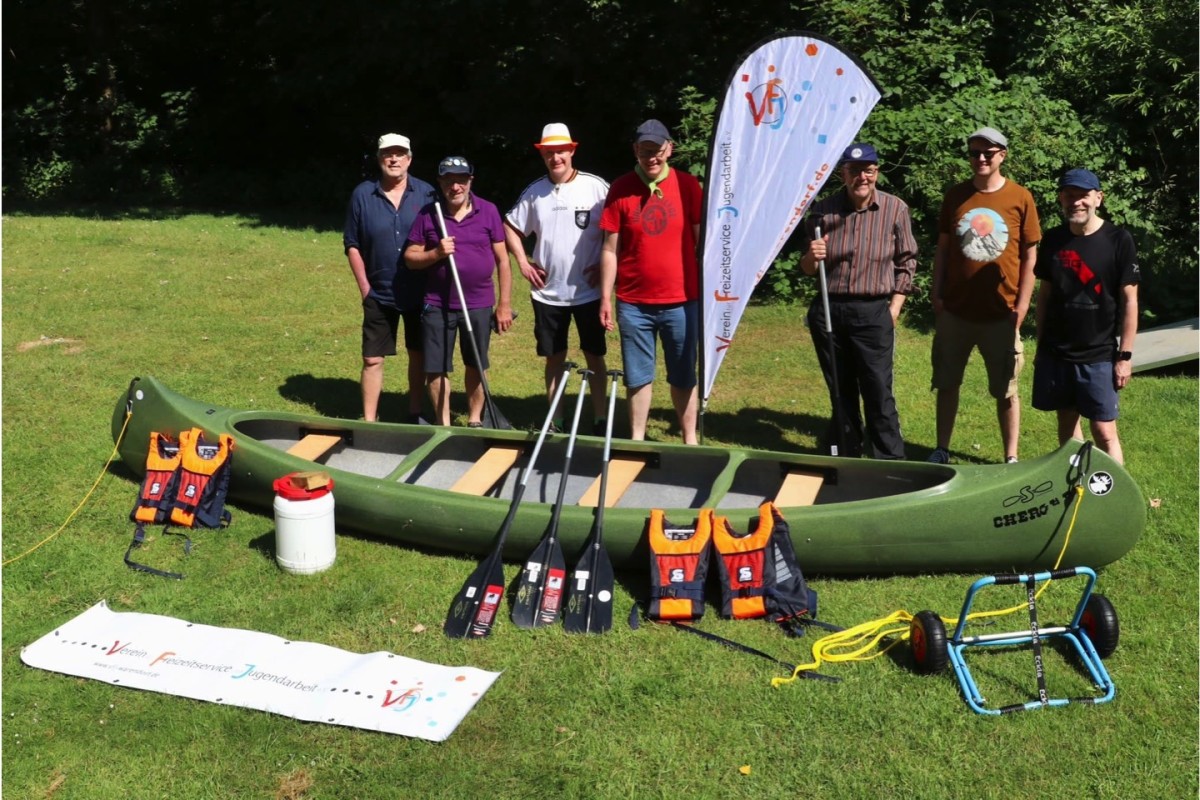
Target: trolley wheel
[(927, 638), (1099, 621)]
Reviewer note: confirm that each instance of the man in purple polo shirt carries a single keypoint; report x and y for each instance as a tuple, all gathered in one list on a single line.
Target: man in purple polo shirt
[(378, 218), (475, 237), (869, 251)]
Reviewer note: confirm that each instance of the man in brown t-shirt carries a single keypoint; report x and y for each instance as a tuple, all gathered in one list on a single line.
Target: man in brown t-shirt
[(988, 233)]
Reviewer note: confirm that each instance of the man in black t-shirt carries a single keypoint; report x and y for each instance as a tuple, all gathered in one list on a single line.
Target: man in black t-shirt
[(1087, 311)]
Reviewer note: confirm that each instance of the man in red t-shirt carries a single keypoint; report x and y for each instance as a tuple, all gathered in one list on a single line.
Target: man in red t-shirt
[(651, 222)]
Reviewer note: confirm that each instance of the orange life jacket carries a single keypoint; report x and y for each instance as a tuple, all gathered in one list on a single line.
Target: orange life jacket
[(162, 477), (678, 566), (203, 480), (760, 576)]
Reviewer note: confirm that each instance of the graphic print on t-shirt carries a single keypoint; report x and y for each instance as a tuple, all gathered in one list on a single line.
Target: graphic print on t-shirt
[(1072, 262), (982, 234), (655, 216)]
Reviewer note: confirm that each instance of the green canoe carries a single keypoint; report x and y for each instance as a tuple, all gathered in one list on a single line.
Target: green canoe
[(450, 488)]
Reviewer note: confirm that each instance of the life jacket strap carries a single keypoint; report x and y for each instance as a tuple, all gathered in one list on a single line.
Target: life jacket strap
[(139, 539)]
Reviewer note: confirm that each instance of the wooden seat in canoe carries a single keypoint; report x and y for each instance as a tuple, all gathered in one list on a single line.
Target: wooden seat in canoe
[(622, 472), (799, 488), (491, 467), (314, 445)]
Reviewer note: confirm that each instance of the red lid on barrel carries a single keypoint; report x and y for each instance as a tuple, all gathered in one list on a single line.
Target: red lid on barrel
[(286, 488)]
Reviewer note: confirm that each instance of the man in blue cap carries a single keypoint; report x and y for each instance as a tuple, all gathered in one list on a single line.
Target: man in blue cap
[(870, 256), (1087, 314)]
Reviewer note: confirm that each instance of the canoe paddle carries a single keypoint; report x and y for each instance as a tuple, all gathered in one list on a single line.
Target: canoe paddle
[(540, 590), (590, 591), (474, 608), (838, 445), (492, 418)]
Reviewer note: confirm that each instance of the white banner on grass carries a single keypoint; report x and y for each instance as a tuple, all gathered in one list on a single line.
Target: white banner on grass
[(790, 109), (303, 680)]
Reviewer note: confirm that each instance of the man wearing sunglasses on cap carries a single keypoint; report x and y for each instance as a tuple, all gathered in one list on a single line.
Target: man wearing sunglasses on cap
[(988, 232), (1087, 298), (475, 237)]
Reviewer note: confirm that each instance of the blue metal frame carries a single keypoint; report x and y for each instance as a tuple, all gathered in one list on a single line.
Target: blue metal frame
[(1073, 633)]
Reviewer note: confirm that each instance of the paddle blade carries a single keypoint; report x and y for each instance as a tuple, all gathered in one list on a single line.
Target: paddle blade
[(492, 418), (540, 590), (590, 592), (474, 608)]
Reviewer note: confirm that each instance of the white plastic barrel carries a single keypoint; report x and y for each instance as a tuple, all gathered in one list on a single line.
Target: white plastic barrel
[(304, 539)]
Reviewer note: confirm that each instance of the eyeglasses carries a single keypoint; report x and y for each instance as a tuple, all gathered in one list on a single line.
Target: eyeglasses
[(646, 153), (870, 171), (986, 155)]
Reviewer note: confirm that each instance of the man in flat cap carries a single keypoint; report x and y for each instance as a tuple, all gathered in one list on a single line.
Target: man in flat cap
[(988, 232), (870, 257), (1087, 315), (562, 210), (651, 223)]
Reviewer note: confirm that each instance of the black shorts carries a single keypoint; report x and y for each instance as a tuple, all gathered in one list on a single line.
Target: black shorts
[(440, 328), (551, 324), (379, 329)]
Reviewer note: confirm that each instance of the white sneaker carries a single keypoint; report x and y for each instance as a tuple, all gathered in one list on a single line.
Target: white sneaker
[(939, 456), (1010, 460)]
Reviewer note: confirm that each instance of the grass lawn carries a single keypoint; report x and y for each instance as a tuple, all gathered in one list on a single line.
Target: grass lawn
[(248, 315)]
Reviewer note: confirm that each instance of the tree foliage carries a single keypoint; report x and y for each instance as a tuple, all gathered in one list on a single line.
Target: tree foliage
[(263, 105)]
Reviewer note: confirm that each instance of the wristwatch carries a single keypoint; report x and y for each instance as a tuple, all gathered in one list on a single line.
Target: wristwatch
[(1125, 355)]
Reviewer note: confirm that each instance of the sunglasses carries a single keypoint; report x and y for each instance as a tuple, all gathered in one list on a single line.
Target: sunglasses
[(986, 155), (455, 165)]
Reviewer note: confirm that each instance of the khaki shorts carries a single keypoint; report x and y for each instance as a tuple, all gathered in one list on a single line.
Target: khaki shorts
[(1000, 345)]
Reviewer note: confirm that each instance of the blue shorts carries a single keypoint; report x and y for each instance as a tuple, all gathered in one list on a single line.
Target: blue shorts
[(676, 324), (1088, 388)]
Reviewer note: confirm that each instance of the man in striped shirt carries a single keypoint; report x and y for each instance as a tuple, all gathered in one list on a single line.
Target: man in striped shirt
[(870, 256)]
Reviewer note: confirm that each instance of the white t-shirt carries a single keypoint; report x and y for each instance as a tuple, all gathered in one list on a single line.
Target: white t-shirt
[(566, 220)]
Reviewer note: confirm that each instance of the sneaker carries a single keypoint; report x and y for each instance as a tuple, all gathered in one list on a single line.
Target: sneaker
[(1010, 460), (939, 456), (600, 427)]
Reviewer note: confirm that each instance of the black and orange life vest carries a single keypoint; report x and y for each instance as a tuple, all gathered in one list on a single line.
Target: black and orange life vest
[(760, 576), (203, 480), (678, 566), (162, 478)]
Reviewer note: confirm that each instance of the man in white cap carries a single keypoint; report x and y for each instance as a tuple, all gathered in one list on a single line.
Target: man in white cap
[(378, 218), (562, 210), (1087, 299), (988, 233), (651, 224)]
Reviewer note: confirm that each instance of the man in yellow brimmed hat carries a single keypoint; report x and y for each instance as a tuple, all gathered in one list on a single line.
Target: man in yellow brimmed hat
[(562, 210)]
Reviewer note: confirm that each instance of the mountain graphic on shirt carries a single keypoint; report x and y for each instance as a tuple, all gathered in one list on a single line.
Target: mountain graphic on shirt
[(982, 234)]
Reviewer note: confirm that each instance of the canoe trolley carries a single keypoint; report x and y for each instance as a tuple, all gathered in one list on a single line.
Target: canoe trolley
[(1092, 635)]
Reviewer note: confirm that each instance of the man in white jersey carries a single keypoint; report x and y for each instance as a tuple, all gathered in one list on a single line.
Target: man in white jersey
[(562, 210)]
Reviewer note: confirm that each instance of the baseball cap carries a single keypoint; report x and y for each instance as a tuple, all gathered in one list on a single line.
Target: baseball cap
[(455, 165), (652, 131), (394, 140), (992, 135), (555, 134), (860, 151), (1079, 179)]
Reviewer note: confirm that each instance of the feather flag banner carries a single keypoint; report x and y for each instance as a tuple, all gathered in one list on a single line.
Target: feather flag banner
[(790, 108)]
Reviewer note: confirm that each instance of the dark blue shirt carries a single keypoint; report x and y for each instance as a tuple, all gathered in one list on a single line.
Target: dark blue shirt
[(380, 231)]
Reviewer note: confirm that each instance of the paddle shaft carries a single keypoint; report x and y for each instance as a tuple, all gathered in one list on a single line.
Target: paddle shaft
[(489, 405), (465, 618), (838, 443), (535, 605)]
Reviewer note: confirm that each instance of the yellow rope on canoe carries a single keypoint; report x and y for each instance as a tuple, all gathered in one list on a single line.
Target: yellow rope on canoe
[(83, 502), (861, 642)]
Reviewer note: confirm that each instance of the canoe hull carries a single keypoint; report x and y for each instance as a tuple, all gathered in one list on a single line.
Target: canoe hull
[(870, 517)]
